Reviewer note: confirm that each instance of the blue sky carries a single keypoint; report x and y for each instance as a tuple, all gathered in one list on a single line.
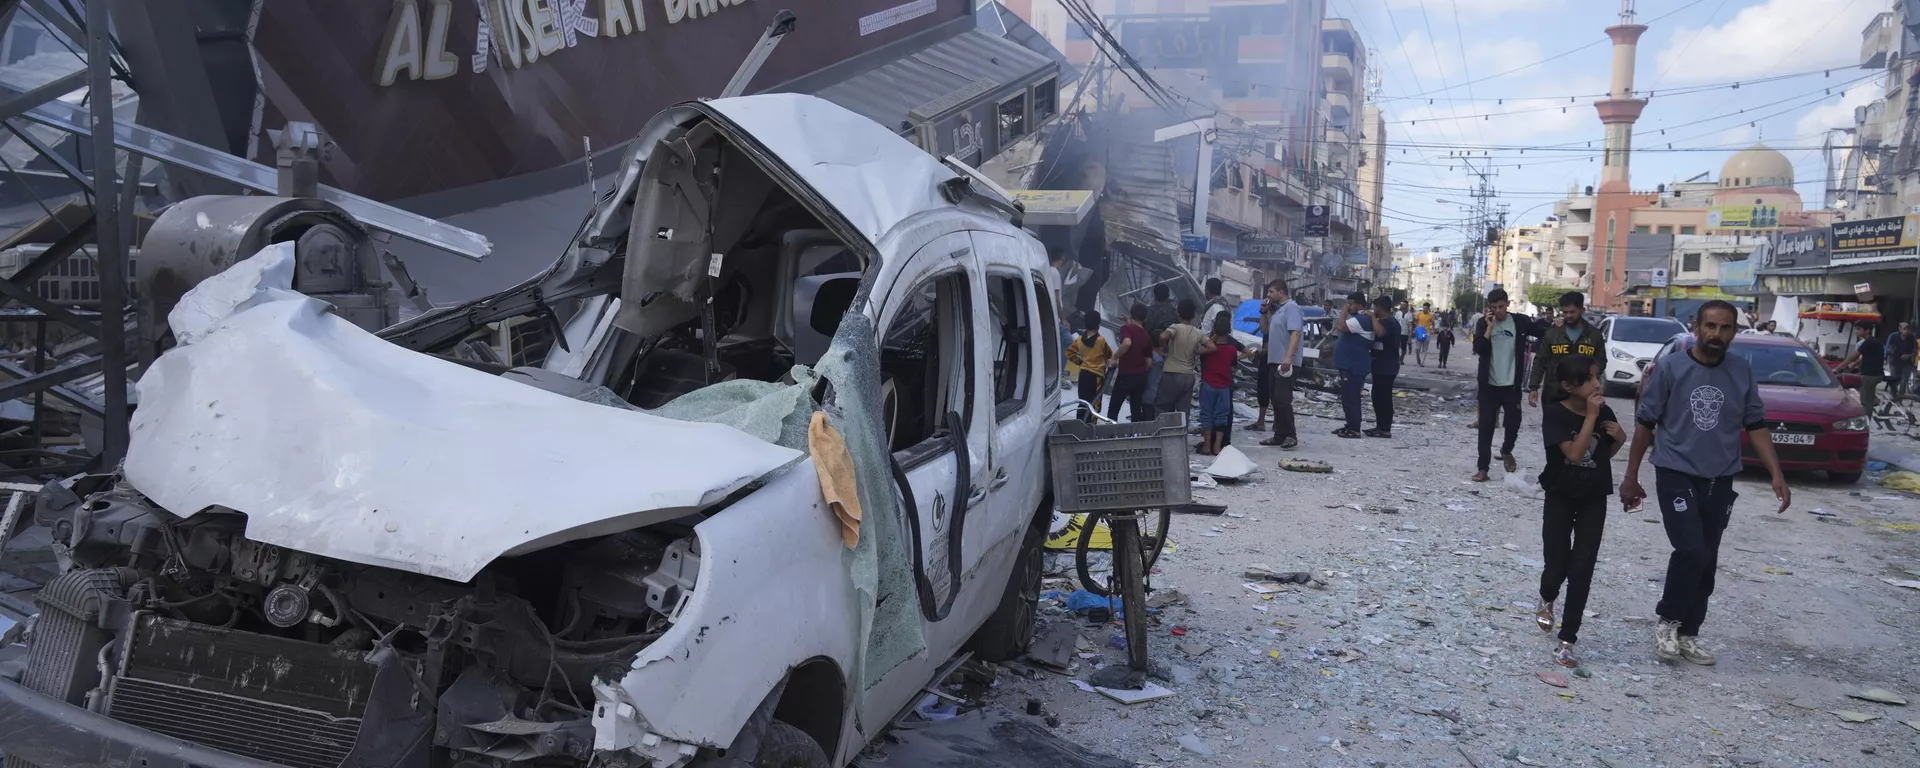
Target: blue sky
[(1448, 51)]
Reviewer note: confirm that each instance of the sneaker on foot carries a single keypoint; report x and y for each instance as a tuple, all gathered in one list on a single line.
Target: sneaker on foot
[(1564, 655), (1666, 640), (1376, 432), (1289, 444), (1691, 650)]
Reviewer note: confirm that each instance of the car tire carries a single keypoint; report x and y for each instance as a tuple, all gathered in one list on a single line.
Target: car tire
[(1007, 633), (784, 746), (1844, 478)]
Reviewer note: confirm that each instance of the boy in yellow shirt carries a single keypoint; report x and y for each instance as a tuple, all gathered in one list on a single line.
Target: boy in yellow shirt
[(1087, 359)]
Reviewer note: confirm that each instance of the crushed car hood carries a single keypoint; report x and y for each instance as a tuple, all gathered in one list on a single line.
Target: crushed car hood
[(337, 443)]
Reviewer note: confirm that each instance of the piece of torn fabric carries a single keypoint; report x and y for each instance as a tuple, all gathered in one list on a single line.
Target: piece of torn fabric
[(891, 631), (837, 485)]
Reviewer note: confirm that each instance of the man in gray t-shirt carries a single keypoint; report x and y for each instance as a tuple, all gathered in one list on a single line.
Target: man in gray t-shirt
[(1284, 353), (1696, 404)]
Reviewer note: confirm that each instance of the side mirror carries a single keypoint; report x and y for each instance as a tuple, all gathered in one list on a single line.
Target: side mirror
[(1850, 380)]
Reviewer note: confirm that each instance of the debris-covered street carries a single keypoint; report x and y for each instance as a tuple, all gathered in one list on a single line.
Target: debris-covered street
[(1421, 649)]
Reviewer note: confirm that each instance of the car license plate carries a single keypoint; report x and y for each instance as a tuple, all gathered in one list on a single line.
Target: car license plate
[(1787, 438)]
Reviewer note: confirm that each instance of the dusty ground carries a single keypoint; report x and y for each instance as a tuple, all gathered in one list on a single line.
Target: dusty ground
[(1431, 606)]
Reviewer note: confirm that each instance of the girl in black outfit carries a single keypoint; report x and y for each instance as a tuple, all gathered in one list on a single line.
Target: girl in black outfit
[(1582, 435)]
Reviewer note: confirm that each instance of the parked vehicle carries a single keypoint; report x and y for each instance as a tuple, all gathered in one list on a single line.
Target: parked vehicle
[(329, 549), (1815, 417), (1631, 344)]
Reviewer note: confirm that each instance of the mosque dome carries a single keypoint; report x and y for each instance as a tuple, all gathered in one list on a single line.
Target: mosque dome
[(1757, 166)]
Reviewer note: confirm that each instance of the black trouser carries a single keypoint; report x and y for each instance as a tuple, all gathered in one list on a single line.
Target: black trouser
[(1444, 349), (1383, 401), (1350, 386), (1901, 373), (1090, 392), (1494, 401), (1570, 532), (1281, 389), (1695, 510), (1130, 388)]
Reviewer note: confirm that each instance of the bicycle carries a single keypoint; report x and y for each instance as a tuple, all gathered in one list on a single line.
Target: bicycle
[(1119, 472)]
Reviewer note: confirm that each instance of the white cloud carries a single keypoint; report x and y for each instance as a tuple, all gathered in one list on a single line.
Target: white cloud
[(1834, 114), (1771, 37)]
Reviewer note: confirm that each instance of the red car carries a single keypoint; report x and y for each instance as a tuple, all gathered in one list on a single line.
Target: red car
[(1816, 417)]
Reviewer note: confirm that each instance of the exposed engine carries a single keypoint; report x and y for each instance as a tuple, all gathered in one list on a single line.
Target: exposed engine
[(187, 628)]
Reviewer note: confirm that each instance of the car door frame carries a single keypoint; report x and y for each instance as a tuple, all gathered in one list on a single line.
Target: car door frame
[(1017, 456)]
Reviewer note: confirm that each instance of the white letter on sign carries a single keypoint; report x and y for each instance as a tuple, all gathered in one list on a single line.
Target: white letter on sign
[(400, 47), (439, 63), (676, 10)]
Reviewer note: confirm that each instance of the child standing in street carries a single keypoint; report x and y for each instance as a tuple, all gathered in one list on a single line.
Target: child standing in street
[(1582, 434), (1087, 362), (1218, 356), (1444, 344)]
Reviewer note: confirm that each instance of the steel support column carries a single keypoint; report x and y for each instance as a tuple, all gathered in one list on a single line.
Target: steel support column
[(110, 244)]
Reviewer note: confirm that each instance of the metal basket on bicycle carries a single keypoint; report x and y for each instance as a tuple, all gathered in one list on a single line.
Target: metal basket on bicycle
[(1120, 467)]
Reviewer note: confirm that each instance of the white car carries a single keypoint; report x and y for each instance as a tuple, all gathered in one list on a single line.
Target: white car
[(1632, 343), (329, 548)]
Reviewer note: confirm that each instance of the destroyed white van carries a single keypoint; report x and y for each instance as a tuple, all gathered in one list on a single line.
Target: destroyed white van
[(782, 459)]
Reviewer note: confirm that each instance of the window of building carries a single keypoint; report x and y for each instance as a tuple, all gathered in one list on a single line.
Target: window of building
[(1665, 230), (1046, 100), (1689, 262), (1013, 118), (1013, 342), (1642, 230), (1687, 230)]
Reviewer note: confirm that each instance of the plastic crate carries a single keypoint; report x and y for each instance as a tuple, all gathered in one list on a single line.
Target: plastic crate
[(1120, 467)]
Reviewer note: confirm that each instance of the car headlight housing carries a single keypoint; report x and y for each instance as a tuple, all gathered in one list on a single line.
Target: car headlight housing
[(1855, 424), (1621, 355)]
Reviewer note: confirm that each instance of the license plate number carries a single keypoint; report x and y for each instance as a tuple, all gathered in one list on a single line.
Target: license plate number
[(1792, 439)]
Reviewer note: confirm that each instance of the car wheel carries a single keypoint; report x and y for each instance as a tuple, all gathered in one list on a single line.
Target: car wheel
[(1844, 478), (1009, 631), (785, 746)]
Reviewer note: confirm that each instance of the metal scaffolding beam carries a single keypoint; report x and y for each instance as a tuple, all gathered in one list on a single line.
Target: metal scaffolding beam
[(110, 247)]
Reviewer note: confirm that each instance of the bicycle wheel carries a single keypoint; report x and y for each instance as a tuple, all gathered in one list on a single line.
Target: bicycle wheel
[(1129, 575)]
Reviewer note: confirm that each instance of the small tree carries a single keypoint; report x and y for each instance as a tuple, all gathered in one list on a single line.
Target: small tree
[(1468, 301), (1545, 296)]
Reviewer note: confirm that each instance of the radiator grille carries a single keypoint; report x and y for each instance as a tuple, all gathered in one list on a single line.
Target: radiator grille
[(290, 736)]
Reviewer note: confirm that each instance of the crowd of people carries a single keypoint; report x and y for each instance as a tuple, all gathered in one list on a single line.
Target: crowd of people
[(1696, 404)]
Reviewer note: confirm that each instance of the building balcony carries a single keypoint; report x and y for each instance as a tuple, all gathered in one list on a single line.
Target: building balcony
[(1337, 134), (1339, 108), (1338, 68), (1580, 229), (1879, 41)]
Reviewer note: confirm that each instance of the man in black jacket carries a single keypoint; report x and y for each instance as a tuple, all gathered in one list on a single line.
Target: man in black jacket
[(1499, 340)]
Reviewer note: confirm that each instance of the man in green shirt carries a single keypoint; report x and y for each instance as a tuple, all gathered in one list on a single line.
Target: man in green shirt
[(1498, 340), (1571, 336)]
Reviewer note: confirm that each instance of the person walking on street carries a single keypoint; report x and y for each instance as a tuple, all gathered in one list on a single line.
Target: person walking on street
[(1403, 316), (1284, 355), (1353, 356), (1422, 332), (1900, 355), (1181, 343), (1134, 361), (1087, 360), (1571, 336), (1498, 342), (1869, 359), (1218, 355), (1160, 316), (1695, 405), (1582, 434), (1444, 344), (1387, 346)]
